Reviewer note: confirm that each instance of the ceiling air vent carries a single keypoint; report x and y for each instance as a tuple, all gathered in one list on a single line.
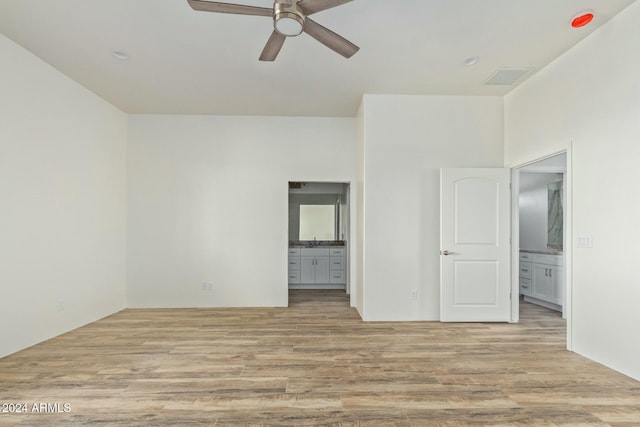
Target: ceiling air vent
[(507, 76)]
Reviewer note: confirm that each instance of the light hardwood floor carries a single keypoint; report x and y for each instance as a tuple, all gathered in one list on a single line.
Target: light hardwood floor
[(315, 363)]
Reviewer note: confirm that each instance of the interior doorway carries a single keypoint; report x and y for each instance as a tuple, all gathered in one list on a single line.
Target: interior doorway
[(319, 234), (541, 236)]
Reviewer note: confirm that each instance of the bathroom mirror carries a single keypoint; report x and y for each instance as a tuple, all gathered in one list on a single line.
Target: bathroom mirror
[(314, 217), (317, 211), (555, 215), (317, 222)]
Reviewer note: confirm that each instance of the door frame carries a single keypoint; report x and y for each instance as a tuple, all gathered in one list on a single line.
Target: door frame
[(350, 250), (567, 247)]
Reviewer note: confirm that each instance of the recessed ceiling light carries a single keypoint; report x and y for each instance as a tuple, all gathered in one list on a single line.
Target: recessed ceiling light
[(118, 54), (582, 19), (472, 60)]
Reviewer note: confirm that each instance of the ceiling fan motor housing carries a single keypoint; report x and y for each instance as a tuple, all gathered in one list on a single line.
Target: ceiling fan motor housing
[(288, 19)]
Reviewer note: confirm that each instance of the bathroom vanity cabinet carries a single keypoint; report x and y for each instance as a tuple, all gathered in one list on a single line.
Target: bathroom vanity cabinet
[(320, 267), (542, 279), (314, 265)]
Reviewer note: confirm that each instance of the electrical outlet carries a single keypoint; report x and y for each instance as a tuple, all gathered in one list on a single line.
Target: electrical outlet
[(60, 304), (207, 286), (414, 294)]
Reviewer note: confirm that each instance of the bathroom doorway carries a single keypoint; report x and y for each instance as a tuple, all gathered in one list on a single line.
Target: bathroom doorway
[(542, 271), (319, 234)]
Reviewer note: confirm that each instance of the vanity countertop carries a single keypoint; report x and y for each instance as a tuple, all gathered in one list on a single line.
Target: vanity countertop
[(315, 243), (542, 251)]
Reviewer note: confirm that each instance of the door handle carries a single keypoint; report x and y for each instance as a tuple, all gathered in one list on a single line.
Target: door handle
[(546, 272), (549, 272), (447, 253)]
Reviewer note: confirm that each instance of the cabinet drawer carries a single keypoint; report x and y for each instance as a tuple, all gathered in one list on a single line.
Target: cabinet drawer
[(314, 252), (294, 276), (525, 270), (336, 276), (337, 252), (526, 257), (548, 259), (526, 287), (294, 251), (294, 263), (336, 263)]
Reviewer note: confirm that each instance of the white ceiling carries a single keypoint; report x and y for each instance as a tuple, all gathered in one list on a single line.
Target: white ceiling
[(188, 62)]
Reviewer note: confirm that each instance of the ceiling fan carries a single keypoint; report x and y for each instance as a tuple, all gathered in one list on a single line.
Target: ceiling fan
[(290, 19)]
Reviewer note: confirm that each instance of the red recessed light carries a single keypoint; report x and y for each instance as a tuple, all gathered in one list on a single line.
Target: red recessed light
[(582, 20)]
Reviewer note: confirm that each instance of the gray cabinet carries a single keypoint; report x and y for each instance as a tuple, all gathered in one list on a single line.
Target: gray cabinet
[(542, 279), (547, 283), (314, 269), (294, 265), (526, 275), (336, 266), (317, 266)]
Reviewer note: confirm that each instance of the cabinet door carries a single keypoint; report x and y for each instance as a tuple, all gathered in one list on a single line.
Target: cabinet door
[(322, 269), (542, 284), (307, 270), (556, 279)]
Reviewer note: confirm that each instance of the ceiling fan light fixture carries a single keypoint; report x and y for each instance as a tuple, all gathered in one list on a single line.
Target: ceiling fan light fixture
[(289, 24), (288, 20)]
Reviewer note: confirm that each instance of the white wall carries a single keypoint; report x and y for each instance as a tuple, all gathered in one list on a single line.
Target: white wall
[(62, 202), (589, 99), (534, 206), (406, 140), (208, 202)]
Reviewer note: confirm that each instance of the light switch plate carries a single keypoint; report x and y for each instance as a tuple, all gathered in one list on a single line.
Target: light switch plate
[(584, 242)]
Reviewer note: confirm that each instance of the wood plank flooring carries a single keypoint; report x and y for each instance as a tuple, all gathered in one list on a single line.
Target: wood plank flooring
[(314, 363)]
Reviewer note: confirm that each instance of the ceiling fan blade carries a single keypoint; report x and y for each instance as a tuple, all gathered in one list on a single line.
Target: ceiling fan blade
[(273, 46), (330, 39), (239, 9), (312, 6)]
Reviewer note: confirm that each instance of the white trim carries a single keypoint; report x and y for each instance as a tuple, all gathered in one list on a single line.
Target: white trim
[(568, 248), (515, 249), (549, 169)]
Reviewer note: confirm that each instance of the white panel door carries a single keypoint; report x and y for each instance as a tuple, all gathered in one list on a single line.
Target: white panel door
[(474, 244)]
